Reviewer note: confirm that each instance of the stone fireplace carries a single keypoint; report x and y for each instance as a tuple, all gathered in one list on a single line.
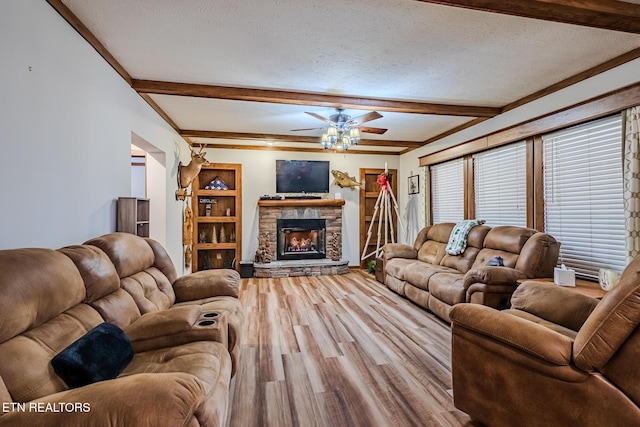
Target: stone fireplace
[(301, 249), (301, 238)]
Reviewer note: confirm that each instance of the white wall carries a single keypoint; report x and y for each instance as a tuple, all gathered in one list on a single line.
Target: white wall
[(66, 124), (259, 178)]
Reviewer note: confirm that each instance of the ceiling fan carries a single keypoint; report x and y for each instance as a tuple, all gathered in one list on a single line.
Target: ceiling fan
[(345, 122)]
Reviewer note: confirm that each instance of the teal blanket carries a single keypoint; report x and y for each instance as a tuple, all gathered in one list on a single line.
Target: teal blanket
[(458, 238)]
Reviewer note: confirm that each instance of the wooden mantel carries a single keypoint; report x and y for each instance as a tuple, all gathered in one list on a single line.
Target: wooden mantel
[(301, 202)]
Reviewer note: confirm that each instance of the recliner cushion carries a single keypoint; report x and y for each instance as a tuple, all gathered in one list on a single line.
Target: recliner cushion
[(101, 354)]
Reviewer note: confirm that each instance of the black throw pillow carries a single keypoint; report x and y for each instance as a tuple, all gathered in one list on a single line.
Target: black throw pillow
[(101, 354), (496, 261)]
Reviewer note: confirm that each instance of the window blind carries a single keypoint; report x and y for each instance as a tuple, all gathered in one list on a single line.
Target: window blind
[(500, 182), (583, 195), (447, 191)]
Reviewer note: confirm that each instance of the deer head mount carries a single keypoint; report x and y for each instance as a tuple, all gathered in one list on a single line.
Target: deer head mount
[(186, 174)]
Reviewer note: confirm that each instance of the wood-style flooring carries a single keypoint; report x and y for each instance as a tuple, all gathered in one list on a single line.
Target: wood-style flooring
[(340, 351)]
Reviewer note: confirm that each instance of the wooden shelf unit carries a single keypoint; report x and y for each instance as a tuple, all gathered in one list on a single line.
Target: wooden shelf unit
[(368, 199), (133, 216), (223, 216)]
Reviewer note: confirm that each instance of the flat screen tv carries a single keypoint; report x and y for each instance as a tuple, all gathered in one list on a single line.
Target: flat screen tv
[(302, 176)]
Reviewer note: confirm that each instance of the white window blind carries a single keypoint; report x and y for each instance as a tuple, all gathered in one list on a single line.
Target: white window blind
[(500, 182), (447, 191), (584, 207)]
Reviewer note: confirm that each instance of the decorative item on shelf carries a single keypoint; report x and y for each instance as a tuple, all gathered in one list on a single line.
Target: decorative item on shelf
[(232, 236), (217, 183), (214, 235), (202, 237), (223, 235), (186, 174), (228, 212), (228, 260), (207, 209), (334, 247), (206, 262)]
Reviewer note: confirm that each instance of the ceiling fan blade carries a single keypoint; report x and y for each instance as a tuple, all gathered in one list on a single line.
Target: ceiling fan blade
[(294, 130), (319, 117), (379, 131), (367, 117)]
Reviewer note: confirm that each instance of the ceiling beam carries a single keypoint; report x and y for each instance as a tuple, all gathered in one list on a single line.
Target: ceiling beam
[(289, 138), (606, 14), (311, 99), (298, 149)]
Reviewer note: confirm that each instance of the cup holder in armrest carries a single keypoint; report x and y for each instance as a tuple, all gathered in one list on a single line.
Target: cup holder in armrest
[(206, 322), (211, 315)]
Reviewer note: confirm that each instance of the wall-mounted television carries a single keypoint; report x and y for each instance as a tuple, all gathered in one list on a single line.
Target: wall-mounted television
[(302, 176)]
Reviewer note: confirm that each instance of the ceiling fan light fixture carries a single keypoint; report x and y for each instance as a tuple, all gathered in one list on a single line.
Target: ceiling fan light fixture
[(326, 144), (354, 135)]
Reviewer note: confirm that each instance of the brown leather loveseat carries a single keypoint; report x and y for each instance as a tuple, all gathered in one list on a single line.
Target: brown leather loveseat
[(182, 361), (556, 358), (427, 275)]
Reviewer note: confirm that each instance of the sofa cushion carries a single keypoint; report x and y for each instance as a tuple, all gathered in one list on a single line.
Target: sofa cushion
[(37, 285), (101, 354), (128, 253), (26, 359), (397, 267), (98, 273), (448, 288), (485, 255), (419, 274), (462, 262), (207, 360), (432, 252), (508, 238), (150, 290)]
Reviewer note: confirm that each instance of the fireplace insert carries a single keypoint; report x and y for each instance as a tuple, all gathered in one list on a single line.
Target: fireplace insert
[(301, 239)]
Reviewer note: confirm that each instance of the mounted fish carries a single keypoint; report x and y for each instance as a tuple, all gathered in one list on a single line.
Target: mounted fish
[(344, 180)]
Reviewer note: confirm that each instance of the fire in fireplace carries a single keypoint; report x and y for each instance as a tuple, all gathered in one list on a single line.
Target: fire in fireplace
[(301, 238)]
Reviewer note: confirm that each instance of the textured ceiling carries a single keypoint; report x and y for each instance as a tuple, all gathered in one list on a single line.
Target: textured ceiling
[(394, 49)]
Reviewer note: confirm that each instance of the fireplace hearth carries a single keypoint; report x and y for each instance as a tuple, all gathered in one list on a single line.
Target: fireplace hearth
[(299, 239)]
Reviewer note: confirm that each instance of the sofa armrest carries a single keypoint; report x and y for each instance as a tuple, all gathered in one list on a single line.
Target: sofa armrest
[(164, 322), (529, 337), (206, 284), (492, 275), (142, 399), (553, 303), (398, 250)]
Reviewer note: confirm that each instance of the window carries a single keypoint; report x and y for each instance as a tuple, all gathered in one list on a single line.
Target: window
[(583, 195), (500, 182), (447, 191)]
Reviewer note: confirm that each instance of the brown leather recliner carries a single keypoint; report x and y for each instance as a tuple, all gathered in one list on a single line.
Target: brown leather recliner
[(147, 274), (42, 312), (556, 358)]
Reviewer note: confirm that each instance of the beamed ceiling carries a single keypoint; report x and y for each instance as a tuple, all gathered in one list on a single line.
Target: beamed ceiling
[(242, 74)]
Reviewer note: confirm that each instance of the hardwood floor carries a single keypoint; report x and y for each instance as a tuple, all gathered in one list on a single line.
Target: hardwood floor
[(340, 351)]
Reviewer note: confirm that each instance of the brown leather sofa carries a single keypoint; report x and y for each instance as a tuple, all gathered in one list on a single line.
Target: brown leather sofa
[(182, 365), (145, 271), (556, 358), (437, 281)]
